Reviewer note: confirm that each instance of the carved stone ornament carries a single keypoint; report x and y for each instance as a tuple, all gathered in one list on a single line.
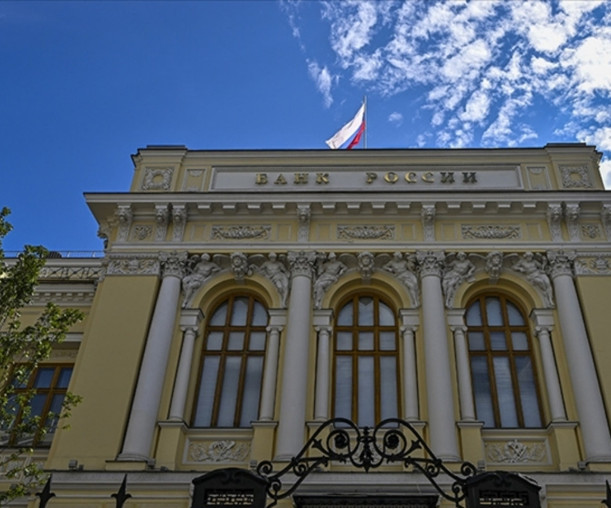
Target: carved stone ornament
[(561, 262), (575, 177), (590, 231), (179, 220), (516, 452), (303, 214), (534, 268), (403, 267), (494, 265), (215, 452), (162, 217), (157, 179), (554, 221), (301, 263), (132, 265), (366, 263), (430, 262), (142, 232), (239, 265), (238, 232), (458, 269), (428, 222), (376, 232), (125, 217), (572, 221), (328, 272), (173, 264), (83, 273), (597, 265), (606, 218), (491, 232), (199, 269)]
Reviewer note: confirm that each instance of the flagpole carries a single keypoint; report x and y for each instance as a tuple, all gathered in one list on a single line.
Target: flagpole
[(366, 123)]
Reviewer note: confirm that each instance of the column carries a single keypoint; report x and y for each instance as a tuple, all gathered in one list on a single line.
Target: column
[(463, 369), (437, 359), (190, 320), (544, 321), (588, 398), (409, 325), (277, 320), (293, 392), (143, 416), (322, 325)]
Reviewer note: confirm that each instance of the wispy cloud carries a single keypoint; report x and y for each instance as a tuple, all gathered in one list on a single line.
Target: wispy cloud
[(323, 79)]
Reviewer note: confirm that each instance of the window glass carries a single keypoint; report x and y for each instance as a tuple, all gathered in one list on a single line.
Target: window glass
[(504, 379), (365, 373), (232, 364), (44, 377), (64, 377)]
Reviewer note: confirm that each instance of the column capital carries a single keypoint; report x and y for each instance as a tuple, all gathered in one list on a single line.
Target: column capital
[(277, 319), (561, 262), (172, 264), (410, 319), (543, 318), (301, 263), (190, 319), (430, 262)]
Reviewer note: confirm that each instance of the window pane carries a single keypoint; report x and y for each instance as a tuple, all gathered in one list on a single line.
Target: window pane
[(515, 316), (476, 341), (366, 311), (37, 404), (214, 341), (474, 317), (239, 311), (388, 387), (218, 318), (366, 341), (366, 391), (388, 341), (497, 341), (528, 392), (257, 341), (344, 317), (44, 377), (229, 392), (387, 318), (64, 377), (504, 388), (205, 401), (493, 311), (236, 341), (252, 387), (55, 409), (520, 341), (343, 387), (344, 341), (481, 390), (259, 316)]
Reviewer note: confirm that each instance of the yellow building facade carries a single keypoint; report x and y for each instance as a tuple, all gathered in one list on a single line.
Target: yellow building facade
[(246, 297)]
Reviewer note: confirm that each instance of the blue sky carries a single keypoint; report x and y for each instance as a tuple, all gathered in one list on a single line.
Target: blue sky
[(85, 84)]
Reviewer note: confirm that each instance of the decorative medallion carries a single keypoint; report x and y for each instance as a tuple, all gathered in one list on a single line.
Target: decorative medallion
[(575, 177), (516, 452), (157, 178), (142, 232), (218, 451)]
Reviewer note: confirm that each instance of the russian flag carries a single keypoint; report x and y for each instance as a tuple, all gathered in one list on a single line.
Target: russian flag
[(352, 130)]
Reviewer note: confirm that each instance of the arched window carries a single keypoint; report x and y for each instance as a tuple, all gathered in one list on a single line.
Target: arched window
[(232, 364), (365, 361), (502, 367)]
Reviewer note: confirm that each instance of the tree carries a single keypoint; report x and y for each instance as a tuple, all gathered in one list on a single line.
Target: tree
[(22, 348)]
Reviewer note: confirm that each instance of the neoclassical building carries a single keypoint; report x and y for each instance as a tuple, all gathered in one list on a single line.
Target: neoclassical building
[(244, 298)]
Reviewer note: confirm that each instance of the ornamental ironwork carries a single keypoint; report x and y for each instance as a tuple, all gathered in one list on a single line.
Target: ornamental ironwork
[(390, 441)]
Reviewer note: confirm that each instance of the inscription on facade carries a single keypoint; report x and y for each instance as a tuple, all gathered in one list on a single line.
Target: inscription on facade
[(230, 498)]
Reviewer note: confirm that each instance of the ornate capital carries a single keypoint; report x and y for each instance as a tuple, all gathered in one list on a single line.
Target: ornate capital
[(561, 262), (173, 264), (430, 262), (302, 263)]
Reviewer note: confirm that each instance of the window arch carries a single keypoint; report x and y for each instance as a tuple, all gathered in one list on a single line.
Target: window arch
[(231, 370), (365, 361), (502, 364)]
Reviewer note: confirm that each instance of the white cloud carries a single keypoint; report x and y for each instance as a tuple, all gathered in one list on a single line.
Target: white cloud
[(396, 118), (324, 81), (600, 137), (476, 110), (592, 62), (605, 171)]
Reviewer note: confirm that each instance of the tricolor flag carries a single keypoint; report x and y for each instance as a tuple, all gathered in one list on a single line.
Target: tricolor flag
[(352, 130)]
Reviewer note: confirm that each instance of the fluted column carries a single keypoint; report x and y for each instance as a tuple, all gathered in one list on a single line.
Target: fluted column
[(544, 323), (463, 370), (277, 320), (409, 325), (143, 416), (437, 359), (293, 392), (322, 325), (190, 320), (588, 397)]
